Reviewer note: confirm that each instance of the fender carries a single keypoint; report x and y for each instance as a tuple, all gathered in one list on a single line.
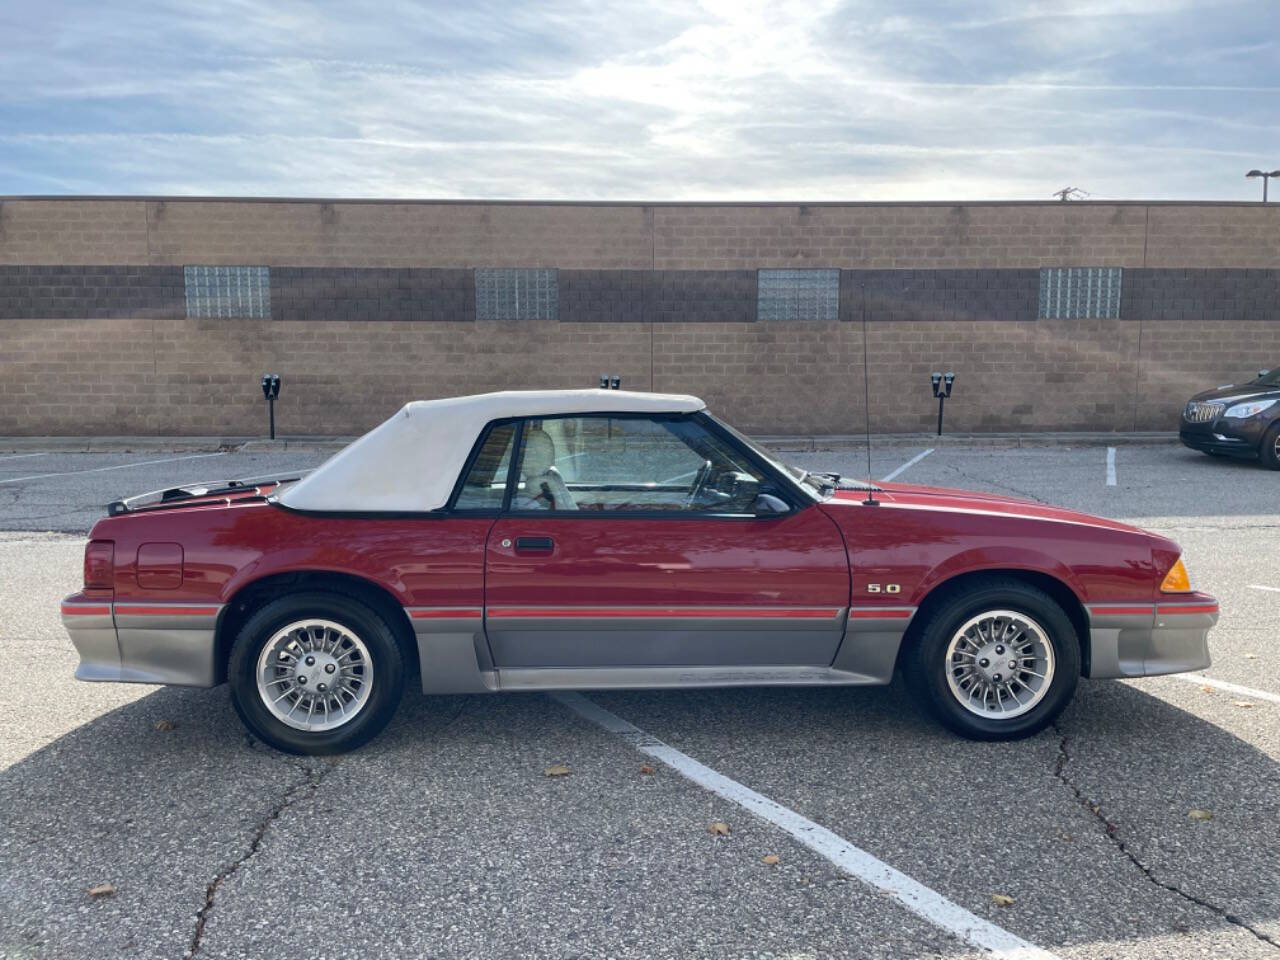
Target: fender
[(991, 557), (298, 561)]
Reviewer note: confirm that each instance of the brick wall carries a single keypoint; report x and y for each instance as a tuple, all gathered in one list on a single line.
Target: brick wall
[(374, 303)]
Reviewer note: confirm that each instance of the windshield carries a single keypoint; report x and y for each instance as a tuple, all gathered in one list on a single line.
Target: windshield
[(819, 486), (1270, 379)]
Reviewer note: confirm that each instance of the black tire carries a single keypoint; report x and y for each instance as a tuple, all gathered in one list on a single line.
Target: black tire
[(384, 653), (1267, 451), (925, 663)]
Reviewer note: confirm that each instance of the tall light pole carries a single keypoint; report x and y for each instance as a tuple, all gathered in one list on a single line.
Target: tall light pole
[(1265, 177)]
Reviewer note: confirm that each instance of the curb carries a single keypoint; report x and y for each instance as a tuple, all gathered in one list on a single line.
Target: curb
[(1002, 440), (170, 444), (791, 442)]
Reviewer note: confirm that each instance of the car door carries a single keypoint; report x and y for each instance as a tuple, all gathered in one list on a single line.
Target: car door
[(657, 541)]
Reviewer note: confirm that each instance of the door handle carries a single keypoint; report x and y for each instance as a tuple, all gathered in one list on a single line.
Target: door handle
[(535, 544)]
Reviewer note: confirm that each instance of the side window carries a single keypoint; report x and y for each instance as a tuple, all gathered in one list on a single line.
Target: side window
[(486, 481), (629, 464)]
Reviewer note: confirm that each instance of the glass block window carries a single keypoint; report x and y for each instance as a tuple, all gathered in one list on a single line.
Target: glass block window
[(1079, 293), (517, 294), (228, 291), (798, 295)]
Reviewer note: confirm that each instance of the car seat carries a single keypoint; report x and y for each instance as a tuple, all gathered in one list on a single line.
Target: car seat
[(544, 488)]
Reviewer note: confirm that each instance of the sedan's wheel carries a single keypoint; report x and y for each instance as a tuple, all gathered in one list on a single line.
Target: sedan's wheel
[(997, 661), (316, 673), (1269, 452)]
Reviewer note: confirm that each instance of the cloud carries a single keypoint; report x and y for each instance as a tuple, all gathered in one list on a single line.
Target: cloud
[(742, 99)]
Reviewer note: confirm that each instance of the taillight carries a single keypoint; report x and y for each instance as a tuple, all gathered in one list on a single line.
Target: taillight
[(99, 565)]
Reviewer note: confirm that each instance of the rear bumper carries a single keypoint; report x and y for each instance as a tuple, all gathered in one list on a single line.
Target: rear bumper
[(1150, 639), (125, 642)]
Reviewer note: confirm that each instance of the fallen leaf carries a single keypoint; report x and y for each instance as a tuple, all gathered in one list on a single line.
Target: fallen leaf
[(718, 829), (1207, 689), (771, 859), (1001, 900), (647, 770), (164, 726), (102, 890), (1200, 814), (1246, 704), (559, 770)]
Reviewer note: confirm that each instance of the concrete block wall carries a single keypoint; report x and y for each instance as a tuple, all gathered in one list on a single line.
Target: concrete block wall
[(373, 303)]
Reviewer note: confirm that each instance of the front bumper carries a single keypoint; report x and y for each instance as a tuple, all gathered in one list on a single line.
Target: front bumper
[(1226, 435), (1150, 639), (122, 642)]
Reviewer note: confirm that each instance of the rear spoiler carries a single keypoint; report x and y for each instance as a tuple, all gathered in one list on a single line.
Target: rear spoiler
[(176, 496)]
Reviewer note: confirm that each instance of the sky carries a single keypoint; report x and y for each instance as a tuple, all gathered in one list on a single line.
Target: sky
[(824, 100)]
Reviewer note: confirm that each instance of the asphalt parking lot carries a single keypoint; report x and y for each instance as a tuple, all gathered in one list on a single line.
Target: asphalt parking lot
[(445, 838)]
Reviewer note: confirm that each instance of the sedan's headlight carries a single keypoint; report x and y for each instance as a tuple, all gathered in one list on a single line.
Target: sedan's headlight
[(1249, 409)]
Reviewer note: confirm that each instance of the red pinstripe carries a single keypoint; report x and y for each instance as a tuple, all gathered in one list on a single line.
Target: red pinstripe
[(131, 610), (1122, 611), (745, 613), (85, 610), (438, 613)]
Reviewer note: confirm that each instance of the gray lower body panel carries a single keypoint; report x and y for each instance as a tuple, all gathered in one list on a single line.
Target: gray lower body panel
[(1127, 642), (452, 650), (619, 641), (145, 643), (653, 653)]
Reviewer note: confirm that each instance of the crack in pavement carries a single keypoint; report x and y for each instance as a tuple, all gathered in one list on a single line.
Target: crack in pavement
[(1113, 834), (312, 778), (994, 483)]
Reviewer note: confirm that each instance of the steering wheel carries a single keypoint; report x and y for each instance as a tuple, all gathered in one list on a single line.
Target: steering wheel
[(699, 482)]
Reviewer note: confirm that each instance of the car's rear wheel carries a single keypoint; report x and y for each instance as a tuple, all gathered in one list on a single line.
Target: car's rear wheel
[(1269, 451), (998, 660), (316, 673)]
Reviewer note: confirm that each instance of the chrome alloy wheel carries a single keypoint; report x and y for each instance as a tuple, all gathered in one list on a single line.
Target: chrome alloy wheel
[(314, 675), (999, 664)]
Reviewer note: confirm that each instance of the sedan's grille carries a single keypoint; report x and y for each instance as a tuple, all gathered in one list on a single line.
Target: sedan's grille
[(1203, 412)]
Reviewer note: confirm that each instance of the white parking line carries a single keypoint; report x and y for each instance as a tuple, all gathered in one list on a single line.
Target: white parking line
[(1229, 687), (911, 894), (122, 466), (910, 463), (1111, 466), (1258, 586), (23, 456)]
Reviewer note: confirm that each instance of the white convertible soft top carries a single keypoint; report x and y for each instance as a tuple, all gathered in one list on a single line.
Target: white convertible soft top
[(412, 461)]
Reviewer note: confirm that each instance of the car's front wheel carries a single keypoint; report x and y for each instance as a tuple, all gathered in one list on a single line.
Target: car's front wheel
[(315, 673), (997, 661), (1269, 451)]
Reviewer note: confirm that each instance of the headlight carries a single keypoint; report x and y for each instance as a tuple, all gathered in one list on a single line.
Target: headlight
[(1252, 408)]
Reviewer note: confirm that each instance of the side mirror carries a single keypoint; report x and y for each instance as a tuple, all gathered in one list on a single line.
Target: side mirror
[(767, 505), (1262, 373)]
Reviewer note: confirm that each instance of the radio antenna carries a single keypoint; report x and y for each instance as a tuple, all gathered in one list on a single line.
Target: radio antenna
[(866, 410)]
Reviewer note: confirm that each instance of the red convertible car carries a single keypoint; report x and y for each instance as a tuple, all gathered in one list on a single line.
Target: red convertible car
[(590, 539)]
